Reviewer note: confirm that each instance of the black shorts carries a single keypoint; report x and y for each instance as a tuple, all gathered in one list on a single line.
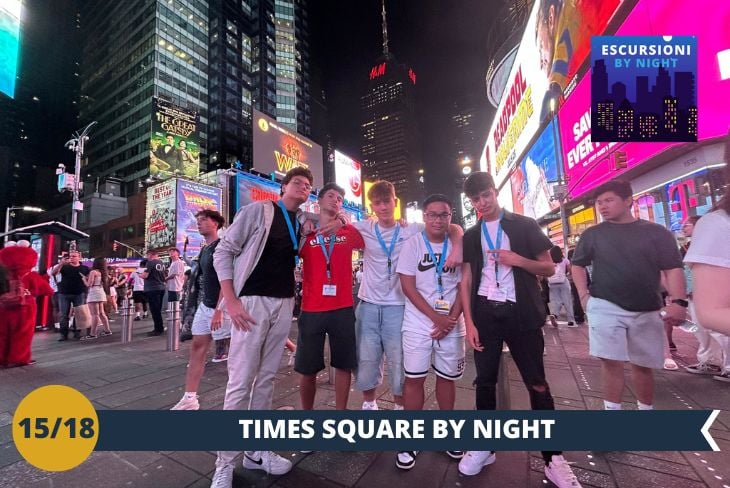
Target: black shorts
[(173, 296), (339, 325), (138, 297)]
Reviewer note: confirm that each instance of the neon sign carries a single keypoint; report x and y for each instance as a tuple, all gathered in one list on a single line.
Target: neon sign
[(377, 71)]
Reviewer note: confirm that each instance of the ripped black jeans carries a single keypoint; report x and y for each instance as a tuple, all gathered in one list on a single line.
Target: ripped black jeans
[(498, 323)]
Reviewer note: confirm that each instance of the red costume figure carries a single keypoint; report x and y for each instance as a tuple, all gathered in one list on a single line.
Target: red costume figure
[(18, 305)]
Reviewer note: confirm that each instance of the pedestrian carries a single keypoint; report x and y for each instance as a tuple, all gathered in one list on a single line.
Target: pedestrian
[(138, 295), (71, 287), (630, 258), (433, 328), (112, 295), (120, 283), (578, 312), (503, 255), (709, 258), (209, 322), (55, 304), (559, 285), (175, 276), (96, 282), (255, 263), (327, 304), (154, 289)]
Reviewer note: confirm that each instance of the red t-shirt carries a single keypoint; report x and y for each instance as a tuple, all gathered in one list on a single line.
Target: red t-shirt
[(314, 270)]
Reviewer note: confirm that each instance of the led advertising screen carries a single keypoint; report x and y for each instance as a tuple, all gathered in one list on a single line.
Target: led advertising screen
[(555, 44), (468, 212), (9, 44), (160, 215), (277, 149), (533, 179), (174, 145), (191, 198), (348, 175)]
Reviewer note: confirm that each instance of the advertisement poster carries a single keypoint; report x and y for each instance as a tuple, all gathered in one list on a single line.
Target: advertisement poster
[(532, 180), (468, 212), (555, 44), (191, 198), (174, 145), (277, 149), (9, 44), (643, 88), (348, 175), (160, 215)]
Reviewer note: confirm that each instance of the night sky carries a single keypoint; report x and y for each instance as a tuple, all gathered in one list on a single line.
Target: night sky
[(443, 41)]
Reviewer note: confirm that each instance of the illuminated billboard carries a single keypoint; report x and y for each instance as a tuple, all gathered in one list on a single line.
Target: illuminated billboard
[(160, 215), (174, 144), (348, 175), (191, 198), (468, 212), (277, 149), (9, 44), (555, 44), (533, 179)]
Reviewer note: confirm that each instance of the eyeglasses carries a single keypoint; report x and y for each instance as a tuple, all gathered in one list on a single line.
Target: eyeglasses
[(435, 216), (301, 184)]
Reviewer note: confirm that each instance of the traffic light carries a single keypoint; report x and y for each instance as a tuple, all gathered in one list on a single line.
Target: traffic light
[(115, 246), (619, 160)]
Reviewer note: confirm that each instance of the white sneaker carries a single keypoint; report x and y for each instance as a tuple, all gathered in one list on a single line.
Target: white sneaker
[(370, 405), (473, 462), (559, 472), (406, 459), (398, 407), (223, 477), (268, 461), (187, 404)]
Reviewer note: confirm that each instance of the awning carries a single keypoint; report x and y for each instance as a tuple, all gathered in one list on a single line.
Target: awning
[(57, 228)]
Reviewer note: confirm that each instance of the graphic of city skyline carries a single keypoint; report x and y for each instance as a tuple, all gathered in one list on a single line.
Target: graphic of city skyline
[(656, 102)]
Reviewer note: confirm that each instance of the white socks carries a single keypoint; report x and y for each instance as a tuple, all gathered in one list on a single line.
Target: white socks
[(611, 405), (645, 407)]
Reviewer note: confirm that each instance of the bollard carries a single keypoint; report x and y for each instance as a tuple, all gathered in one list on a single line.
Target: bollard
[(173, 326), (127, 319), (503, 399)]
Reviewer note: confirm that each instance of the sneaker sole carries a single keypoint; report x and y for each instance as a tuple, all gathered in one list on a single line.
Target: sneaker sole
[(405, 467), (490, 460), (694, 371), (724, 379), (458, 457)]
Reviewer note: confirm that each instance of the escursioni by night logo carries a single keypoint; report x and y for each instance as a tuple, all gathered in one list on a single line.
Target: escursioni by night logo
[(644, 89)]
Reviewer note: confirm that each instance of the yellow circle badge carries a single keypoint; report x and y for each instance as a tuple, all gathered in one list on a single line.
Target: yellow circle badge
[(55, 428)]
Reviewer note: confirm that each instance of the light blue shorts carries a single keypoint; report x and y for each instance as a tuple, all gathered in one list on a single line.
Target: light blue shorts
[(378, 331), (203, 318), (622, 335)]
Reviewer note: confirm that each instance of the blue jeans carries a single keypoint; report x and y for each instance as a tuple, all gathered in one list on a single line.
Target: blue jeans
[(378, 331), (65, 302)]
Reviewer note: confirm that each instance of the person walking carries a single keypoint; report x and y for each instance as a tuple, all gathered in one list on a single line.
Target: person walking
[(138, 295), (630, 258), (255, 263), (503, 255), (154, 290), (559, 285), (96, 283), (175, 276), (72, 289)]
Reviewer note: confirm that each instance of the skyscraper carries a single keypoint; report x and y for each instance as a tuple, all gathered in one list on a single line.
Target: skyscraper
[(390, 137)]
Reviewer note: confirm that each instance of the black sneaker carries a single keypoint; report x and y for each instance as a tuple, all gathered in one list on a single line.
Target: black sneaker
[(406, 459), (455, 454), (553, 320), (137, 319), (572, 324), (155, 333), (62, 338)]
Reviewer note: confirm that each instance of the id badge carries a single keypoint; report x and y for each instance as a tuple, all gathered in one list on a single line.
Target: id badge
[(329, 290), (442, 306), (497, 294)]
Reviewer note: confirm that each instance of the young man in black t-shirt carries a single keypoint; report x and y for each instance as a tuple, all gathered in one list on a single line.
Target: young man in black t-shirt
[(71, 288), (209, 322), (154, 277), (503, 255), (624, 305)]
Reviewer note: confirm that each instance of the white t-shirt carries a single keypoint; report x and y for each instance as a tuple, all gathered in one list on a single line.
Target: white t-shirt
[(561, 273), (375, 287), (415, 260), (138, 281), (711, 240), (176, 268), (506, 277)]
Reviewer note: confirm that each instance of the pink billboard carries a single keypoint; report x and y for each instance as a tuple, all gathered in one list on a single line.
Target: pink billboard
[(588, 164)]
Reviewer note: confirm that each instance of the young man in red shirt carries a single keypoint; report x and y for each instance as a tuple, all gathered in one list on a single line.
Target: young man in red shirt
[(327, 303)]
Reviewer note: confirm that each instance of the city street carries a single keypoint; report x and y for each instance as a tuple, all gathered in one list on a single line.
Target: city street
[(141, 375)]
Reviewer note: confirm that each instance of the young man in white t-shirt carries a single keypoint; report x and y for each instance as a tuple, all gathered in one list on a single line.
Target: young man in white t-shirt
[(432, 323), (175, 276)]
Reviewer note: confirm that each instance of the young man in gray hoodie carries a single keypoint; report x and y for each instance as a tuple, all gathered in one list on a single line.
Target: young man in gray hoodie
[(255, 262)]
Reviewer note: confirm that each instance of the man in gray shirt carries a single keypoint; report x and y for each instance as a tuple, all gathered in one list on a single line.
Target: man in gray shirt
[(154, 289)]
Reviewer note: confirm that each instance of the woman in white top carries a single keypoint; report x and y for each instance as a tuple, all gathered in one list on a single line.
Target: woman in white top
[(560, 295), (97, 282)]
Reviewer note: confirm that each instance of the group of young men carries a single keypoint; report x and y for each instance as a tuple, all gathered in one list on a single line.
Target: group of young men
[(419, 304)]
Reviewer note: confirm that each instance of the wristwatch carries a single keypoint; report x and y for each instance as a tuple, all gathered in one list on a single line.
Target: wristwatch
[(681, 302)]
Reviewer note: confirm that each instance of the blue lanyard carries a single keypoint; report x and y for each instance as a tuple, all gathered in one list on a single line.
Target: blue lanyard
[(440, 263), (491, 245), (327, 254), (386, 250), (292, 234)]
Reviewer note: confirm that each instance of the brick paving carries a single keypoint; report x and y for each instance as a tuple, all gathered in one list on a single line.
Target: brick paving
[(142, 375)]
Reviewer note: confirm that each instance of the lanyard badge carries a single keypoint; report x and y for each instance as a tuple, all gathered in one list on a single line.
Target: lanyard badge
[(292, 233), (327, 253), (491, 245), (388, 250), (439, 264)]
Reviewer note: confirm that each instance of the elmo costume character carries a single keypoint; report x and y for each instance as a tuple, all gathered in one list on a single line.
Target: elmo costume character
[(18, 304)]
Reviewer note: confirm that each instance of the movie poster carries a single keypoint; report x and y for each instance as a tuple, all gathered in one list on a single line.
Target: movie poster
[(174, 145), (160, 215), (191, 198), (533, 179)]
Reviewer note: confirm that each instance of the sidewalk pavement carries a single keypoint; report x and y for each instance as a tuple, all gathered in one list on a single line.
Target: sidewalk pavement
[(142, 375)]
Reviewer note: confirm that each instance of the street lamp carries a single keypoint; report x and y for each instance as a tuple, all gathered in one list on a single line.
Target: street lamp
[(77, 145), (11, 209)]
